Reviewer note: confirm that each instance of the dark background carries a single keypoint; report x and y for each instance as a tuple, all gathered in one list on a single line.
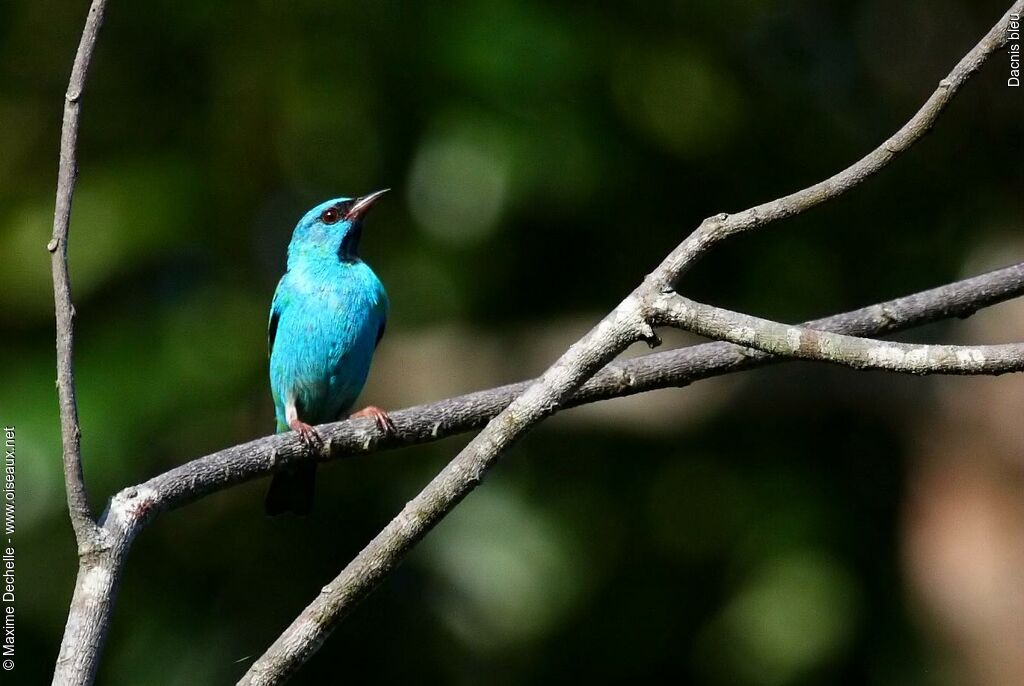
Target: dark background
[(783, 527)]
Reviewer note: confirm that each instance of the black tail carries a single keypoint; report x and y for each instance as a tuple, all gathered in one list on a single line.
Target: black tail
[(291, 490)]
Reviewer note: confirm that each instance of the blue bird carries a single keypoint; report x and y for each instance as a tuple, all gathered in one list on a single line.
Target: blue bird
[(327, 317)]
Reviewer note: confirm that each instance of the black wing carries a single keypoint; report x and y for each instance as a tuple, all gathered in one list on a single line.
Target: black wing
[(275, 317)]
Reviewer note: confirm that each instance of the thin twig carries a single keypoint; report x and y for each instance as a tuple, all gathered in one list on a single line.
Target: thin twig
[(623, 326), (805, 343), (721, 226), (86, 531), (88, 621)]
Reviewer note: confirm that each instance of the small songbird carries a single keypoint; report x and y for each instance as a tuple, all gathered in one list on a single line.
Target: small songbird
[(327, 317)]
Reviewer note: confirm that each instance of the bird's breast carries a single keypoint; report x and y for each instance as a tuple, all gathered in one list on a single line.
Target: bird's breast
[(324, 345)]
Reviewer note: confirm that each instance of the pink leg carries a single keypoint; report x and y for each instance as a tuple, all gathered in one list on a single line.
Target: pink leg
[(379, 416), (307, 434)]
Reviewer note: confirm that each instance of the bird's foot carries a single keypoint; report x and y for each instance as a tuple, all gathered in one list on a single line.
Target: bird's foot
[(379, 416), (307, 434)]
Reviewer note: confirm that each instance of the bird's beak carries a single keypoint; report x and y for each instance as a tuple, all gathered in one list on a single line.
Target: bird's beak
[(362, 205)]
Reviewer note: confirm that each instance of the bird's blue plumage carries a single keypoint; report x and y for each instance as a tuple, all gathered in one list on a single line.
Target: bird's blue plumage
[(327, 316)]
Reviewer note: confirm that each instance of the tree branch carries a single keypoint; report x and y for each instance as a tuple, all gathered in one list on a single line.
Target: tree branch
[(86, 531), (97, 573), (131, 509), (435, 421), (623, 326), (810, 344), (716, 228)]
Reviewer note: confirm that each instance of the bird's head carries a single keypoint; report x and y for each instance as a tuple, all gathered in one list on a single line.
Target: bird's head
[(331, 230)]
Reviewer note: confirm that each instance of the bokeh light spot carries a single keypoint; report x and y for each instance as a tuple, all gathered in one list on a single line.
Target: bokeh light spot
[(508, 571), (680, 101), (794, 613), (458, 187)]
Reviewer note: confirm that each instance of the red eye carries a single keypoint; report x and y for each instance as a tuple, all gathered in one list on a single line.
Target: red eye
[(329, 216)]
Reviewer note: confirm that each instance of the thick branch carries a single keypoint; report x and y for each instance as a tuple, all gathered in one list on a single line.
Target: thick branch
[(670, 369), (86, 531), (623, 326), (133, 507), (825, 346)]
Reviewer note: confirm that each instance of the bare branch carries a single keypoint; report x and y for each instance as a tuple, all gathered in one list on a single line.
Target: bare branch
[(87, 620), (99, 576), (625, 325), (134, 507), (714, 229), (670, 369), (86, 531), (810, 344)]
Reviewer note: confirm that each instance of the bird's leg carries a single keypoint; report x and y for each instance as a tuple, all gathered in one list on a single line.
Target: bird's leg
[(379, 416), (307, 434)]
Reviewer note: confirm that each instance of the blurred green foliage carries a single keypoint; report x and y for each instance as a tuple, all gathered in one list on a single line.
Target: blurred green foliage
[(544, 157)]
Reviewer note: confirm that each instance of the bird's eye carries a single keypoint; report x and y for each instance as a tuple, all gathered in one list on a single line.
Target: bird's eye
[(330, 215)]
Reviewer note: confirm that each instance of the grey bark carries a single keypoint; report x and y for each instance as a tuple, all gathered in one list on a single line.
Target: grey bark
[(88, 618), (78, 500), (809, 344)]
